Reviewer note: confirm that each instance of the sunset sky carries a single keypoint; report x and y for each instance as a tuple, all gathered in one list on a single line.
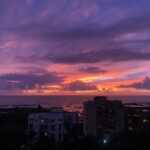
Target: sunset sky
[(75, 47)]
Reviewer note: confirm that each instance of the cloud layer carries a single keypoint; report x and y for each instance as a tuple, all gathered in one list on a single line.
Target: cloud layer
[(79, 86), (27, 81), (52, 43), (92, 70), (145, 84)]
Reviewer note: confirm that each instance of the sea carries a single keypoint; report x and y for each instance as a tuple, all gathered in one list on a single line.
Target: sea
[(72, 103)]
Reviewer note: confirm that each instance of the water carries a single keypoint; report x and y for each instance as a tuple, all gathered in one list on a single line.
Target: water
[(61, 100), (69, 103)]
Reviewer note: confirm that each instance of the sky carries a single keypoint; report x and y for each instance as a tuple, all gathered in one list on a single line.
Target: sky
[(80, 47)]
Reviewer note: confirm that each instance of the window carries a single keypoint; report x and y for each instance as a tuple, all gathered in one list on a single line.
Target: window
[(30, 126), (53, 125), (59, 137), (59, 124), (59, 127), (53, 136)]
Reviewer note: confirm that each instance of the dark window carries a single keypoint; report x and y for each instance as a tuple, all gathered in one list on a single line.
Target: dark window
[(53, 136), (59, 138), (59, 124), (59, 127), (30, 126), (52, 125)]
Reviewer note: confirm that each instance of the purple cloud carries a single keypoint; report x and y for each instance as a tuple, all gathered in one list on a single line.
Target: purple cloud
[(79, 86), (145, 84), (104, 43), (21, 81), (92, 70), (94, 56)]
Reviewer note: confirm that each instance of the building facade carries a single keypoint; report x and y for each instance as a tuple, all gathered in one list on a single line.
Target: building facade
[(70, 119), (137, 117), (103, 117), (51, 124)]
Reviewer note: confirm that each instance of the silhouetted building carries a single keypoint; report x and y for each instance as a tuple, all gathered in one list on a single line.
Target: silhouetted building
[(137, 117), (70, 119), (103, 117)]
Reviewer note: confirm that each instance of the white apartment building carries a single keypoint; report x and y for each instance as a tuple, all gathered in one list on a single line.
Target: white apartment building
[(52, 124)]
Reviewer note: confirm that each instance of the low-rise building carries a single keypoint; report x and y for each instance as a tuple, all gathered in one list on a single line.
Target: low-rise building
[(137, 117), (51, 124)]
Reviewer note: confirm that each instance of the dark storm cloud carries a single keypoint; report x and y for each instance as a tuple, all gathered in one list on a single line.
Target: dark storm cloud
[(21, 81), (145, 84), (79, 86), (92, 70), (47, 31), (101, 41), (92, 56), (113, 55)]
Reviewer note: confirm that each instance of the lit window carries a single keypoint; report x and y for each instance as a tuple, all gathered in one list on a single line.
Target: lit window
[(45, 133), (145, 121), (130, 128)]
